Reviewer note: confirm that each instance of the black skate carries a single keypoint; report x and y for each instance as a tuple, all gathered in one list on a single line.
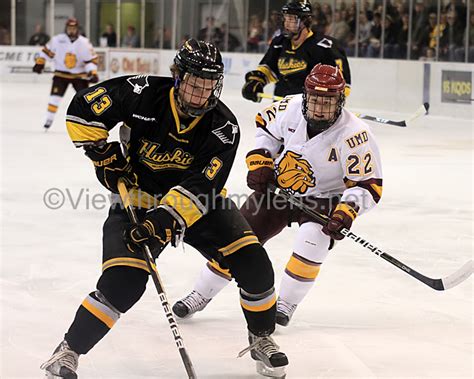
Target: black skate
[(189, 305), (270, 361), (284, 312), (62, 364), (47, 125)]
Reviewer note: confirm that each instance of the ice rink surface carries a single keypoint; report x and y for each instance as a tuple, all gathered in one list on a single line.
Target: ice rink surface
[(364, 318)]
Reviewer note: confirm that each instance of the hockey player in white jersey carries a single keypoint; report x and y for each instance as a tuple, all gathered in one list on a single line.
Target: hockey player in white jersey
[(75, 62), (311, 147)]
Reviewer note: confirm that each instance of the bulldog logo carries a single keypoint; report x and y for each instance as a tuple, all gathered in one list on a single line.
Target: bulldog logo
[(294, 174)]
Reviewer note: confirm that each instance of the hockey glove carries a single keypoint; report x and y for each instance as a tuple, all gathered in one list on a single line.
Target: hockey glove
[(342, 217), (92, 77), (254, 83), (110, 165), (261, 174), (158, 228), (39, 65)]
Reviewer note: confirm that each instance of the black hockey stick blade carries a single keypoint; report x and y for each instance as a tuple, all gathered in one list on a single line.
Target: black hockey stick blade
[(421, 111)]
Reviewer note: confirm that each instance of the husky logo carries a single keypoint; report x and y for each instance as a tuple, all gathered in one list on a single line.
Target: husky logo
[(139, 83), (227, 133), (294, 174)]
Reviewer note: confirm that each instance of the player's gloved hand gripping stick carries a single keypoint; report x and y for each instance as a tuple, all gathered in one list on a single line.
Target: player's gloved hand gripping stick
[(124, 195), (438, 284)]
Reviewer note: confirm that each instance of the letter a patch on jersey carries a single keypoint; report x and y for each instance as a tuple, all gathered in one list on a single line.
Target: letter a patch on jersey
[(332, 155), (226, 133)]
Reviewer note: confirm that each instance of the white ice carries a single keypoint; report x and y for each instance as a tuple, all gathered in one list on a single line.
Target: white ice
[(364, 318)]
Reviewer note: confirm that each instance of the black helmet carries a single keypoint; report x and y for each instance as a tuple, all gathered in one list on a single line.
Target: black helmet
[(303, 10), (201, 59), (299, 8)]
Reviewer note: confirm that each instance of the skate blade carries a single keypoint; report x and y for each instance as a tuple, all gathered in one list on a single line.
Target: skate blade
[(272, 372)]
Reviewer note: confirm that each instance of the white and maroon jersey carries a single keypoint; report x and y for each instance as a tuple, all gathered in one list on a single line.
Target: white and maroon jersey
[(70, 57), (342, 160)]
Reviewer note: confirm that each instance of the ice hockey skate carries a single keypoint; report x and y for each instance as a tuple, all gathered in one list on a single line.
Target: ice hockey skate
[(284, 312), (188, 306), (62, 364), (270, 361), (47, 125)]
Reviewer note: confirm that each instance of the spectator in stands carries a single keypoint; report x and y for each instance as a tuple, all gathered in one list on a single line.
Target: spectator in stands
[(451, 38), (419, 25), (5, 38), (339, 28), (402, 36), (364, 36), (39, 37), (165, 33), (275, 24), (460, 52), (373, 49), (391, 47), (230, 41), (320, 21), (110, 36), (211, 33), (438, 30), (255, 34), (429, 55), (131, 38)]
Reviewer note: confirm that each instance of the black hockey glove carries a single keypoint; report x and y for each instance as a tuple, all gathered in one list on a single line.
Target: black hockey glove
[(261, 174), (93, 77), (254, 83), (110, 165), (158, 228), (39, 65)]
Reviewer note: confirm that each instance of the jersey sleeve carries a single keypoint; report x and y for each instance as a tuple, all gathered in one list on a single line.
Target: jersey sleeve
[(49, 50), (361, 163), (269, 63), (206, 177), (96, 110), (270, 131), (89, 57)]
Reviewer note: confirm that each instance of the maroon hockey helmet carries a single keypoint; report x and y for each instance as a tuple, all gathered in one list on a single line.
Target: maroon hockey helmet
[(323, 81), (72, 22)]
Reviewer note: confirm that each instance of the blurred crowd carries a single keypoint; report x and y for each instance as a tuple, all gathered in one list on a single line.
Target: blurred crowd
[(387, 36), (371, 31)]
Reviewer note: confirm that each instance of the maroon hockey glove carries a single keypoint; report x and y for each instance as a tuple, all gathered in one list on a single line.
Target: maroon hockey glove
[(254, 83), (110, 165), (92, 77), (342, 217), (261, 174), (158, 228)]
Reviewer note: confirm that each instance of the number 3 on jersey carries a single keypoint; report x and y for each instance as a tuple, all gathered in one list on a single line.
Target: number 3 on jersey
[(98, 106)]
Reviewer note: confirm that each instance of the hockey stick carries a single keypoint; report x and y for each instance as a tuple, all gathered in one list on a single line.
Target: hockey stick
[(27, 70), (124, 195), (438, 284), (422, 110)]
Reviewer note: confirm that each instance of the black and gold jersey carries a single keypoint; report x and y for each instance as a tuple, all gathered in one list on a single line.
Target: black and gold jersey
[(183, 162), (288, 65)]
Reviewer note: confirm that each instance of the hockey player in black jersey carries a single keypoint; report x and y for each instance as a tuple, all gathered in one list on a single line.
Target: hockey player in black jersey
[(179, 141), (292, 55)]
